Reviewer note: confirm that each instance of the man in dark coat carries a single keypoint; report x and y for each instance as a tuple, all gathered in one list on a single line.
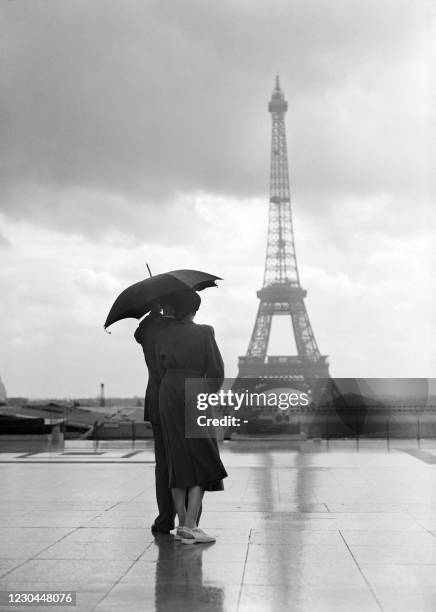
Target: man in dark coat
[(144, 335)]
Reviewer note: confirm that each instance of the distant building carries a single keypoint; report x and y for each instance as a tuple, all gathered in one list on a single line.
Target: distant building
[(3, 397), (17, 401)]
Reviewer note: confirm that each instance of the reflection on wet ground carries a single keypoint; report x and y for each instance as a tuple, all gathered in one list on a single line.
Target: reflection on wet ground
[(300, 526)]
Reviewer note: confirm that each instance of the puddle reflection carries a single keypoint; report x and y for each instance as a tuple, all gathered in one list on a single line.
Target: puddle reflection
[(179, 583)]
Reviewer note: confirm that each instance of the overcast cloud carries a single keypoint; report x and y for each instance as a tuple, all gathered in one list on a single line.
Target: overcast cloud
[(138, 131)]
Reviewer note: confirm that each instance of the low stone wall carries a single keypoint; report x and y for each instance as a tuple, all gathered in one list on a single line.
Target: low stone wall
[(140, 430)]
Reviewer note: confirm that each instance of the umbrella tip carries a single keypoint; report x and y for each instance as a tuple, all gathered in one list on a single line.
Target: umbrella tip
[(106, 330)]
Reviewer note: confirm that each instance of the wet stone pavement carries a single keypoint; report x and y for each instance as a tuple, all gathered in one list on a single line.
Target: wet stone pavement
[(300, 526)]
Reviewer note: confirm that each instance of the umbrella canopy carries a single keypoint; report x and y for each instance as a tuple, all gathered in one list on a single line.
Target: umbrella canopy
[(136, 300)]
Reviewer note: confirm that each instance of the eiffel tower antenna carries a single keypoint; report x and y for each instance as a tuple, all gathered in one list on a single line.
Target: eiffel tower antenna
[(282, 293)]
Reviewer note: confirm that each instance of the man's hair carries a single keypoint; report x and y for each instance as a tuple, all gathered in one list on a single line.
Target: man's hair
[(183, 302)]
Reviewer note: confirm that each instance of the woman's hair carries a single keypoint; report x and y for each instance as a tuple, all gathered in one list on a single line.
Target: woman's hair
[(183, 302)]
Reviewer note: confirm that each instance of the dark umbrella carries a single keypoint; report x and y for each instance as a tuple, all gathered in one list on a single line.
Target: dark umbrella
[(137, 300)]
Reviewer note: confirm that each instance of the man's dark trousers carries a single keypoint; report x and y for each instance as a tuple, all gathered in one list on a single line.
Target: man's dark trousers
[(165, 520)]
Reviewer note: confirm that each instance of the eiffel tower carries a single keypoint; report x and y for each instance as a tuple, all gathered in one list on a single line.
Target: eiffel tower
[(281, 293)]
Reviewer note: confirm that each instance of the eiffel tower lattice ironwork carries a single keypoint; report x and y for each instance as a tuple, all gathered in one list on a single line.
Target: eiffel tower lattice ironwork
[(282, 293)]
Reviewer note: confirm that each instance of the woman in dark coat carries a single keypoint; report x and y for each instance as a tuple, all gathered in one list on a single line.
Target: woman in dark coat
[(186, 350)]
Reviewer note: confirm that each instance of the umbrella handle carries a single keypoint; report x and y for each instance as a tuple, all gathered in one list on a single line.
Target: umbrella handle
[(148, 268)]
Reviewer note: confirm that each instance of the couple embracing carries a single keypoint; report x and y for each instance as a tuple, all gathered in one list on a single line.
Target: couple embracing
[(175, 348)]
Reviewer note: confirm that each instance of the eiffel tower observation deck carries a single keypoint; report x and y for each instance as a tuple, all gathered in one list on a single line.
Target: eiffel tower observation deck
[(282, 293)]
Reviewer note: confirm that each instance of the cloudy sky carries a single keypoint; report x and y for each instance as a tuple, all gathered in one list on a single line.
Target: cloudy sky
[(137, 131)]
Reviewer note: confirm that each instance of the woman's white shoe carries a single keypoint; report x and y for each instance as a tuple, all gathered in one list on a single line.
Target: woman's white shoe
[(202, 536), (194, 536)]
